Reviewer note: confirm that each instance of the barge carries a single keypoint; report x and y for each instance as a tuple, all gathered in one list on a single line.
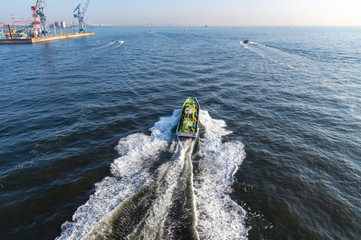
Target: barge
[(33, 40)]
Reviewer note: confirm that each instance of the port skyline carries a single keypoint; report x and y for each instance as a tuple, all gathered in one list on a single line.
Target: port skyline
[(190, 13)]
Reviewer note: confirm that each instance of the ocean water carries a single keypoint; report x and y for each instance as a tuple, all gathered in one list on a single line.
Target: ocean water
[(88, 147)]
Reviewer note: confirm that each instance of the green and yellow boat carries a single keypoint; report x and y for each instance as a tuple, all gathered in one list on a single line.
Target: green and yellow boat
[(188, 122)]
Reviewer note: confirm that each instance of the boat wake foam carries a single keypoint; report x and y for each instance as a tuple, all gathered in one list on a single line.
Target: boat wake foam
[(116, 43), (219, 217), (275, 55), (154, 192)]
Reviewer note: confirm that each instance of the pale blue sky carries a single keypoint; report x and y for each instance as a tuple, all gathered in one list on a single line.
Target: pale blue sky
[(198, 12)]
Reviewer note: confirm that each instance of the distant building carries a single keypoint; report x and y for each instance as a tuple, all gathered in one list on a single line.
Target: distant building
[(60, 24)]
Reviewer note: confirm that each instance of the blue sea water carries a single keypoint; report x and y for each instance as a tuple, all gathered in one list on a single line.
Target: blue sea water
[(88, 147)]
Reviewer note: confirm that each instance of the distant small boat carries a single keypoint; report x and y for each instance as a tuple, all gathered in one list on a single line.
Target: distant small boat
[(246, 42), (188, 122), (119, 42)]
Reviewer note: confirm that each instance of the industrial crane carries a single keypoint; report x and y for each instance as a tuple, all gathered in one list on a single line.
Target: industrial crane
[(39, 11), (80, 16)]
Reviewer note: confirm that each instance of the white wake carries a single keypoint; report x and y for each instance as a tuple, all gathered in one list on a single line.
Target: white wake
[(217, 216), (275, 55)]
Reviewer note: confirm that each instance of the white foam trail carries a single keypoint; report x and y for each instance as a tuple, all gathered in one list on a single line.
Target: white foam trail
[(216, 215), (118, 43), (156, 217), (219, 217), (261, 50), (138, 153), (194, 204), (275, 55)]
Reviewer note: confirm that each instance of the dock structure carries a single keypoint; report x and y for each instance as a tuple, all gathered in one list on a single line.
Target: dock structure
[(34, 40), (39, 32)]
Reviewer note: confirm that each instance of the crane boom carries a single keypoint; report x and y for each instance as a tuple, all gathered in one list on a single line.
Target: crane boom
[(77, 8), (80, 16), (86, 6), (41, 5)]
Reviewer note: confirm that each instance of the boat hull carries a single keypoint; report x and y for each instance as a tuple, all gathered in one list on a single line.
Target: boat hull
[(189, 120)]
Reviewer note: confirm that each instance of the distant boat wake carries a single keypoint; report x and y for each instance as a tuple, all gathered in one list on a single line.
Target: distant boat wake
[(116, 43), (275, 55), (162, 191)]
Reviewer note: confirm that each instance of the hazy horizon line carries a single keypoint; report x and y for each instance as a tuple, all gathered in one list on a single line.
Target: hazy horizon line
[(207, 25)]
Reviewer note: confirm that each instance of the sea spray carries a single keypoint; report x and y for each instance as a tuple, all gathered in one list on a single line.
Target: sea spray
[(219, 217), (130, 172), (141, 199)]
